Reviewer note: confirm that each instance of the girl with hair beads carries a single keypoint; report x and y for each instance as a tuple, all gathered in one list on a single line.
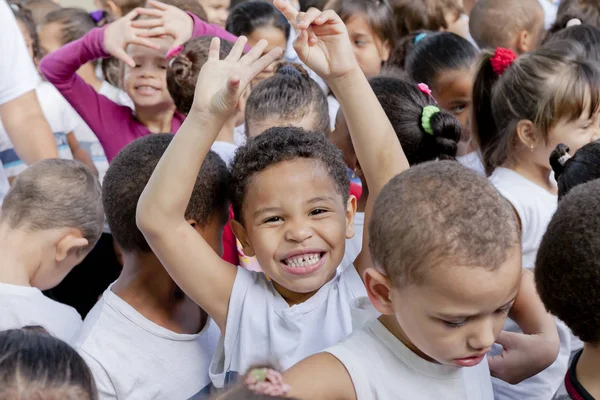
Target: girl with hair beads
[(257, 19), (571, 171), (523, 108), (446, 62), (35, 365), (141, 45), (425, 132)]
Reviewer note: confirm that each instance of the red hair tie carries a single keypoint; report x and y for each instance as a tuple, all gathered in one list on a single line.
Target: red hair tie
[(502, 59)]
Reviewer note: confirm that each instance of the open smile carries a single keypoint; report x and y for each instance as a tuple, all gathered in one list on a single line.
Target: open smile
[(304, 262)]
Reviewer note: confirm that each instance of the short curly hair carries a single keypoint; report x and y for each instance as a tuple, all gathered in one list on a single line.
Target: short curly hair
[(567, 268), (437, 214), (281, 144), (128, 175)]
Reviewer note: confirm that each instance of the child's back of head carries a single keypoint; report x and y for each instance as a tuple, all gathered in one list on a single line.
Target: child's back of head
[(432, 15), (513, 24), (184, 68), (40, 8), (128, 175), (64, 26), (290, 97), (571, 171), (37, 366), (586, 35), (567, 270), (190, 6), (586, 12)]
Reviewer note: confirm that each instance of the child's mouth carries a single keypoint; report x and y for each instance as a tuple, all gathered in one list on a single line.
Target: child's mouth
[(146, 90), (303, 264)]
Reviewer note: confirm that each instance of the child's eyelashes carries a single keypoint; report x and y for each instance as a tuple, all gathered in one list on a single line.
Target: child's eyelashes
[(458, 109), (318, 211), (272, 220), (451, 324)]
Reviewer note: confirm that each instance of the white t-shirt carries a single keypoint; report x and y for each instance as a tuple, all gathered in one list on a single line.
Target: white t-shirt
[(225, 150), (535, 207), (133, 358), (334, 107), (354, 245), (62, 120), (22, 306), (473, 162), (262, 329), (383, 368), (17, 72)]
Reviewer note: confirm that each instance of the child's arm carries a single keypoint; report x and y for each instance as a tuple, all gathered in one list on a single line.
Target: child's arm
[(79, 153), (324, 46), (530, 353), (192, 263)]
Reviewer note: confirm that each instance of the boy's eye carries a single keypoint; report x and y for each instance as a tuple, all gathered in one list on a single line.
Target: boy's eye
[(318, 211), (504, 310), (138, 65), (454, 324), (272, 220), (360, 43)]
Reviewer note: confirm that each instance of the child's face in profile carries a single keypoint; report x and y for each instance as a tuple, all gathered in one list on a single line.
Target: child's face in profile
[(455, 315), (146, 84), (370, 50), (296, 223), (217, 11)]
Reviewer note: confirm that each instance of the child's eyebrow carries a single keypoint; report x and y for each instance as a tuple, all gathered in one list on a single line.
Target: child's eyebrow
[(266, 210), (320, 199), (465, 316)]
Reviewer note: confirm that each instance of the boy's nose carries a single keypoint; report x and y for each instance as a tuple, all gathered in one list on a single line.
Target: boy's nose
[(298, 233), (482, 337)]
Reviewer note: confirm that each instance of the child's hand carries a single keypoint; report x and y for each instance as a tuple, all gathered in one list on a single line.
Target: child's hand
[(167, 20), (121, 33), (323, 43), (523, 356), (222, 82)]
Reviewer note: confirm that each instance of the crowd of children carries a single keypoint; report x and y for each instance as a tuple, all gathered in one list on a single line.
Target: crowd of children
[(313, 199)]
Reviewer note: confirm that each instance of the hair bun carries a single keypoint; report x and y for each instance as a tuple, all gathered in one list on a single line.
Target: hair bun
[(447, 132), (292, 69), (181, 65), (559, 158)]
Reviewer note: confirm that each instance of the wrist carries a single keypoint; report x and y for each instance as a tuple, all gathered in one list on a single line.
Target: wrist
[(208, 120), (346, 80)]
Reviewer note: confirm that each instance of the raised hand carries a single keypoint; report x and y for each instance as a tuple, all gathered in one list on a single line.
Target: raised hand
[(222, 82), (166, 21), (122, 33), (323, 43)]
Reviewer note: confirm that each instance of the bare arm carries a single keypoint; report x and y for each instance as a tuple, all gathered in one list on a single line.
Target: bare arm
[(79, 153), (192, 263), (28, 129)]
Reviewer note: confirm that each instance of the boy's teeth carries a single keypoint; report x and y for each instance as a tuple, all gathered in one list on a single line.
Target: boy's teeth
[(304, 260)]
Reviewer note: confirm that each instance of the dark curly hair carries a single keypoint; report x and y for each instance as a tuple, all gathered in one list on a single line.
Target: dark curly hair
[(184, 68), (440, 212), (128, 175), (567, 268), (281, 144), (290, 95), (583, 167)]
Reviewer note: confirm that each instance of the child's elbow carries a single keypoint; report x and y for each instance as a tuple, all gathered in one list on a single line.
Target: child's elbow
[(143, 219)]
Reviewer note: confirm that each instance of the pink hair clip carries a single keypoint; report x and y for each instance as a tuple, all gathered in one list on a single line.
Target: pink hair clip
[(174, 52), (425, 89), (502, 59), (267, 382)]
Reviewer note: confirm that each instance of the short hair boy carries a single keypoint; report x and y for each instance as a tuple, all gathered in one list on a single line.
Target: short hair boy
[(144, 322), (513, 24), (567, 275), (51, 219), (448, 271)]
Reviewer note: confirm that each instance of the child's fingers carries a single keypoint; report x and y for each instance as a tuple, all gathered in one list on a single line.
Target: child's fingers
[(307, 18), (144, 42), (327, 16), (123, 56), (288, 11), (132, 14), (238, 49), (147, 23), (158, 5), (255, 52), (154, 32), (151, 12), (262, 63), (213, 51)]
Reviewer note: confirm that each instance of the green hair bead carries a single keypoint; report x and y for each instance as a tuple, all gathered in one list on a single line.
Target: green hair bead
[(428, 112)]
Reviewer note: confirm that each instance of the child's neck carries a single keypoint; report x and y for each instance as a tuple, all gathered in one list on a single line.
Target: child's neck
[(293, 298), (20, 256), (147, 287), (534, 173), (87, 72), (390, 322), (226, 133), (588, 369), (155, 119)]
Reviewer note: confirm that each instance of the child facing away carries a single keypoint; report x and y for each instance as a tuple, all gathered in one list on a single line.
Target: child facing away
[(571, 171), (137, 43), (51, 218), (290, 197), (446, 63), (431, 15), (144, 323), (567, 274), (35, 365), (514, 24), (524, 107)]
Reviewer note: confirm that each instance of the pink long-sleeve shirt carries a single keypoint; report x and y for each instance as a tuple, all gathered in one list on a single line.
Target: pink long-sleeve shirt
[(114, 125)]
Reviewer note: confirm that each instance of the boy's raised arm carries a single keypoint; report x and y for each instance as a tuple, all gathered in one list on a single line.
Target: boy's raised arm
[(190, 261)]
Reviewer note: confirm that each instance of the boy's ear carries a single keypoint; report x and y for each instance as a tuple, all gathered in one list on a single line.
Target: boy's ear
[(241, 235), (527, 134), (350, 213), (386, 50), (524, 42), (379, 289), (69, 244)]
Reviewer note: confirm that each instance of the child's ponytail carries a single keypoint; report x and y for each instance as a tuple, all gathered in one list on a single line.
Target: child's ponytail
[(446, 131), (558, 159), (570, 171)]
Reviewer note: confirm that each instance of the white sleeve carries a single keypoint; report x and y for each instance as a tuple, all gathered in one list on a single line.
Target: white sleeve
[(17, 72), (106, 390)]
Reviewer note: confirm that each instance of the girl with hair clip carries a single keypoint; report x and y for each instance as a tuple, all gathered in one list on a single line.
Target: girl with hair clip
[(425, 132), (144, 47), (446, 63), (523, 108), (35, 365), (571, 171)]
